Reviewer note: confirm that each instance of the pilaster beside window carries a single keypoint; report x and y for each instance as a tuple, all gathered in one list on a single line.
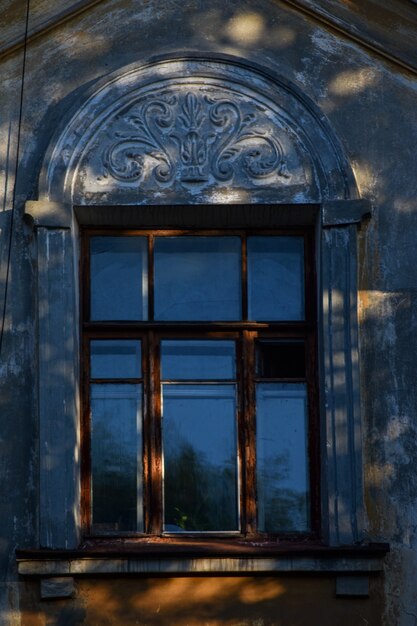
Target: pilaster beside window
[(58, 375)]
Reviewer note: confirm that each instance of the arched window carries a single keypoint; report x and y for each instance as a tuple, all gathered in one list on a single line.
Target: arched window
[(217, 218)]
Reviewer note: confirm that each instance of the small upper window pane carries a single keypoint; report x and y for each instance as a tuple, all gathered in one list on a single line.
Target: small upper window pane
[(119, 278), (198, 360), (119, 358), (276, 278), (197, 278)]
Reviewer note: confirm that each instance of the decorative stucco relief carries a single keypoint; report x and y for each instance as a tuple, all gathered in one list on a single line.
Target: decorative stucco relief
[(194, 131), (192, 137), (189, 138)]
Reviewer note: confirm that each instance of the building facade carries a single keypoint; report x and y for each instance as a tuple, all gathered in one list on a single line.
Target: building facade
[(207, 281)]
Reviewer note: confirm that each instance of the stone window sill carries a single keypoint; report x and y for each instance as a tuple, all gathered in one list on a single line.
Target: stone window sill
[(178, 558)]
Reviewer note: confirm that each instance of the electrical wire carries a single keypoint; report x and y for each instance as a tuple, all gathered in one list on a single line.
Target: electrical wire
[(16, 173)]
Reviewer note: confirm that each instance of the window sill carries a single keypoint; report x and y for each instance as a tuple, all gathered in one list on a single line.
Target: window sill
[(178, 558)]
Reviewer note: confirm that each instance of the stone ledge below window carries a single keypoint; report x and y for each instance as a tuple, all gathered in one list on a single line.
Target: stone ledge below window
[(199, 559)]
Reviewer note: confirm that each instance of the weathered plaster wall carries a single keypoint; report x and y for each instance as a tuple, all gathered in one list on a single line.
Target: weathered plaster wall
[(371, 107), (202, 601), (18, 428)]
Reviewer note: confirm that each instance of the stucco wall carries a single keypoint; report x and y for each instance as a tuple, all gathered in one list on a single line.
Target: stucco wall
[(371, 107), (197, 601)]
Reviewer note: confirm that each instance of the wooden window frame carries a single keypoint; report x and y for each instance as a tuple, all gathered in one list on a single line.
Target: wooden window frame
[(56, 228), (245, 333)]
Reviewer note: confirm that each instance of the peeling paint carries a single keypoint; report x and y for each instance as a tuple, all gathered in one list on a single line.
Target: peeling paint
[(326, 42)]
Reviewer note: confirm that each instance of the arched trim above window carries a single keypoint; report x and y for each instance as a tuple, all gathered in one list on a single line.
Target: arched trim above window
[(191, 130)]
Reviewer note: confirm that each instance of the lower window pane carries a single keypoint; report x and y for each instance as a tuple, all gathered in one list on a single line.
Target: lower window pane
[(200, 458), (116, 457), (282, 457)]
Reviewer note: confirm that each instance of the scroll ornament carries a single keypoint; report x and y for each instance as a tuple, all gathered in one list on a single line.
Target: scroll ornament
[(191, 137)]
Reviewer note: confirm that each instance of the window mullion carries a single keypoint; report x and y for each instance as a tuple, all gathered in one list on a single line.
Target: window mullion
[(313, 432), (153, 456), (86, 439), (151, 283), (249, 433), (244, 279), (85, 273)]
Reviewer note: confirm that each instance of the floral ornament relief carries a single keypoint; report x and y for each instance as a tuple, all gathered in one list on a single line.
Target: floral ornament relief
[(191, 137)]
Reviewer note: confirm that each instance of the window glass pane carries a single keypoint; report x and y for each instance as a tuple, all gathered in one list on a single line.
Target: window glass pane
[(282, 457), (197, 278), (116, 457), (115, 359), (119, 286), (198, 360), (275, 278), (280, 359), (200, 458)]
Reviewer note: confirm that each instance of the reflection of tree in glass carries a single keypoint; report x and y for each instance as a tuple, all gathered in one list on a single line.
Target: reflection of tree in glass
[(199, 496), (283, 508), (113, 480)]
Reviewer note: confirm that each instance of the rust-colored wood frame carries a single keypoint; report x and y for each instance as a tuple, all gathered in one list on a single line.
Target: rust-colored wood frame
[(245, 333)]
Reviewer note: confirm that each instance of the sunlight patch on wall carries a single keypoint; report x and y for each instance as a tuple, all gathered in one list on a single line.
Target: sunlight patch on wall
[(268, 591), (379, 474), (246, 28), (225, 195), (283, 36), (183, 593), (352, 82), (366, 178)]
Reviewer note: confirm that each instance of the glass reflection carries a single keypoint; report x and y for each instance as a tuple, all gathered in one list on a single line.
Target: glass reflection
[(200, 458), (282, 457), (119, 358), (116, 456), (119, 276), (197, 278), (198, 360), (275, 278)]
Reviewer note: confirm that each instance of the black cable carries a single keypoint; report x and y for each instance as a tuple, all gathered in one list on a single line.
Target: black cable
[(19, 130)]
